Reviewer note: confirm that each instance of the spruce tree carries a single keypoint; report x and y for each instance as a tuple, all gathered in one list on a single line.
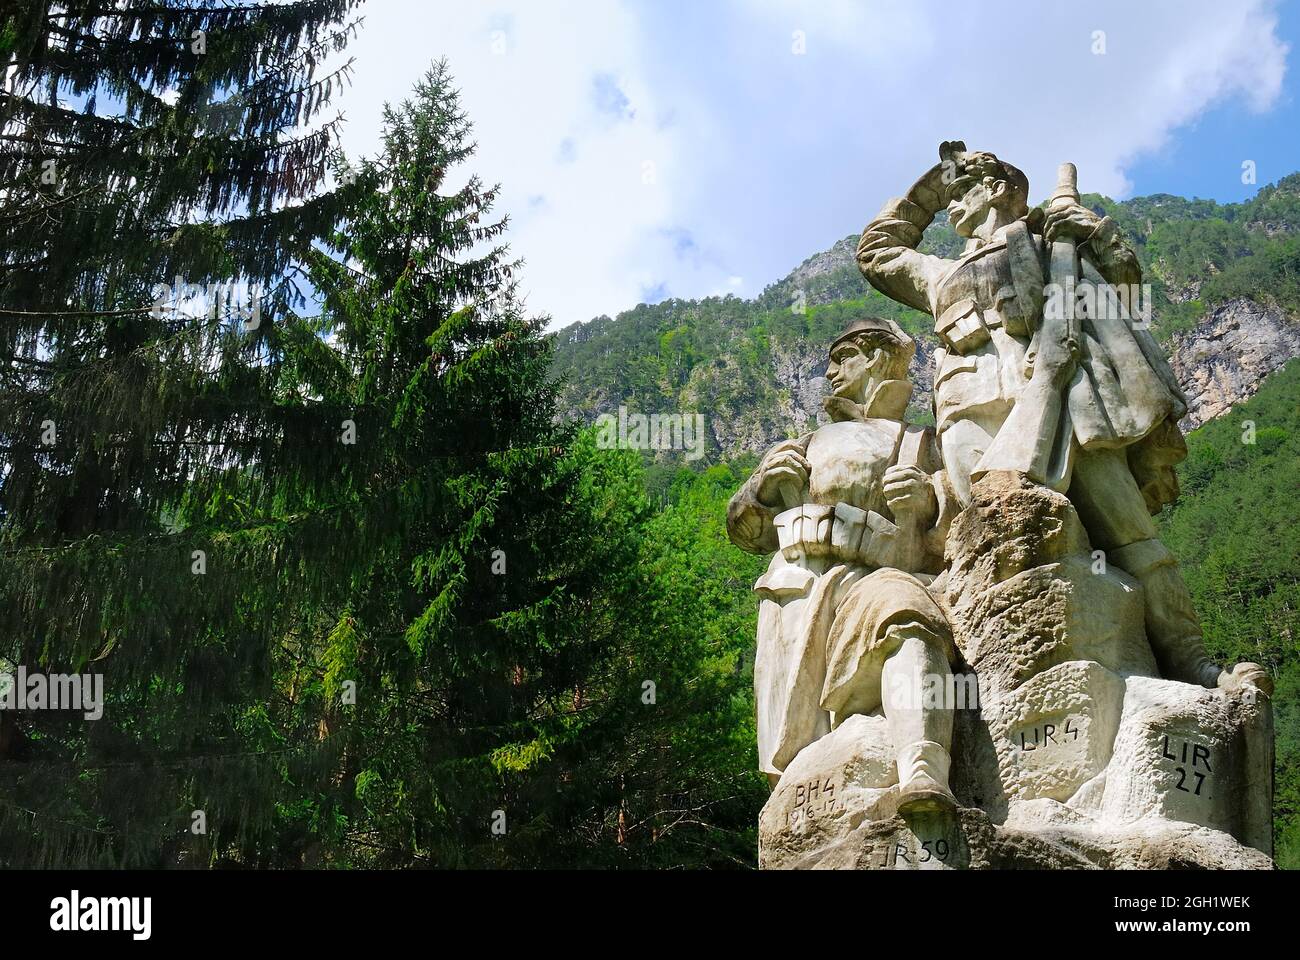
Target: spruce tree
[(464, 533), (359, 596), (487, 650), (140, 142)]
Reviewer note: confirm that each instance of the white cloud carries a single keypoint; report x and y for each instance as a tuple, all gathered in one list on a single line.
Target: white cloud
[(674, 148), (566, 122)]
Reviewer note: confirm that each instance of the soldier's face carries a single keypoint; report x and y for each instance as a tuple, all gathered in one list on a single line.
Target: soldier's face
[(849, 371), (971, 201)]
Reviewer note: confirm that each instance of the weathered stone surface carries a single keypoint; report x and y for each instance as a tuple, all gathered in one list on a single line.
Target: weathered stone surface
[(835, 807), (967, 840), (1192, 755), (1148, 844), (1026, 594), (846, 777), (1223, 360), (1055, 425), (1042, 839), (799, 372), (1074, 755), (849, 513), (1055, 732), (970, 840)]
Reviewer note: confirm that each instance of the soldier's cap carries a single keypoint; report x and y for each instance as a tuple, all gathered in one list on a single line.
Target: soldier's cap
[(979, 164), (875, 325)]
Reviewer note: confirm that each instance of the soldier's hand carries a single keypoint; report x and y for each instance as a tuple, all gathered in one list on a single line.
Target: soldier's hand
[(785, 465), (908, 492), (747, 527), (1071, 221), (1247, 676), (930, 192)]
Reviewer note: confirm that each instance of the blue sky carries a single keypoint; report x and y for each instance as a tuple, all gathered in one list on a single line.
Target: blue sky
[(655, 148), (1206, 155)]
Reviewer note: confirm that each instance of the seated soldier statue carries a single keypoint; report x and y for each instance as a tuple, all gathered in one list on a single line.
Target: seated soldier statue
[(846, 623)]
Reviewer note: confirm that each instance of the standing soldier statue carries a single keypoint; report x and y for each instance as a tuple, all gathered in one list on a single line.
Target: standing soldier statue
[(1042, 371)]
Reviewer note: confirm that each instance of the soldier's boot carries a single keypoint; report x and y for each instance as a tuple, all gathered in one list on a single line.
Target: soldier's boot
[(920, 727), (1173, 628), (923, 778)]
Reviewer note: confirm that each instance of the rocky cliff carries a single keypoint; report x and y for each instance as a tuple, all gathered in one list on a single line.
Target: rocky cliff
[(1224, 359), (1220, 363)]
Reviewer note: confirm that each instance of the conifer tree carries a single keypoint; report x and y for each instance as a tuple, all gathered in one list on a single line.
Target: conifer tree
[(464, 535), (479, 577), (143, 141), (358, 595)]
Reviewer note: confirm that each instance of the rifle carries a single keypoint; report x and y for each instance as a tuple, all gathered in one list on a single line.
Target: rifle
[(1064, 270), (1035, 438)]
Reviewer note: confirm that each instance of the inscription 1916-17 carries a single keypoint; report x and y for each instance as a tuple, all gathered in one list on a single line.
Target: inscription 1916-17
[(813, 799), (1189, 757)]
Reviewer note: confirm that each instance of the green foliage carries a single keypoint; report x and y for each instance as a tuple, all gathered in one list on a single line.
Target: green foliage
[(1236, 528), (483, 688), (1197, 254), (717, 355), (467, 607), (1272, 272), (1236, 532), (1190, 249), (200, 164), (828, 321), (430, 603)]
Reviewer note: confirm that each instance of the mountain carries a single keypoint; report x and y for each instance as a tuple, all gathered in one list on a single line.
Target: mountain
[(1225, 290)]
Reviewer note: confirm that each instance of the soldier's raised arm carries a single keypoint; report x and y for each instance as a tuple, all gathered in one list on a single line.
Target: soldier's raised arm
[(887, 254)]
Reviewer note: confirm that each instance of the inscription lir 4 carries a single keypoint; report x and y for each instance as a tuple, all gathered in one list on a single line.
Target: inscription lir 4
[(1048, 733)]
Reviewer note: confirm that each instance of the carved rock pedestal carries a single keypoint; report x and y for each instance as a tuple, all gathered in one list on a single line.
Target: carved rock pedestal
[(1076, 755)]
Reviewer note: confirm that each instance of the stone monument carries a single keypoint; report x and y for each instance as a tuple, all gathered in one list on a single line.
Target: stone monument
[(973, 650)]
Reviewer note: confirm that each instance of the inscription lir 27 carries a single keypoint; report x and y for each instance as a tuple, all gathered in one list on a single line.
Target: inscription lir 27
[(1200, 754)]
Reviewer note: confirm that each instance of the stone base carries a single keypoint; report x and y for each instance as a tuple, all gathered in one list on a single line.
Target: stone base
[(969, 840), (846, 778), (836, 805), (1151, 843)]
